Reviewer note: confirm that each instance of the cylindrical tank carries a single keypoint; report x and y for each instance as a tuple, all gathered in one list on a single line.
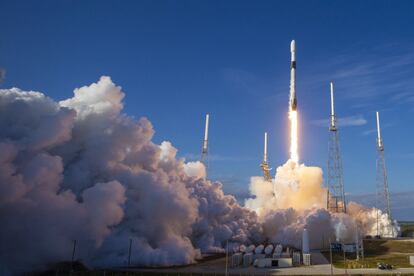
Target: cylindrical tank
[(269, 249), (250, 248), (305, 241), (259, 249)]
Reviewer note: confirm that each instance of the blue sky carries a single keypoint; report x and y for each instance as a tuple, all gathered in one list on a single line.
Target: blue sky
[(177, 60)]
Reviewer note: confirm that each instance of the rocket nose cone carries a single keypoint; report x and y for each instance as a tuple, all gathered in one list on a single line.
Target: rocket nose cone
[(293, 46)]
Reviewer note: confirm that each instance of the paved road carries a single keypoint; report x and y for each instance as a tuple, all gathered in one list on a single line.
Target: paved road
[(312, 270), (217, 267)]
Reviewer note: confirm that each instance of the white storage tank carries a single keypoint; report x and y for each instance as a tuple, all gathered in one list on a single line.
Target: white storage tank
[(250, 248), (278, 251), (305, 241), (259, 249), (269, 249)]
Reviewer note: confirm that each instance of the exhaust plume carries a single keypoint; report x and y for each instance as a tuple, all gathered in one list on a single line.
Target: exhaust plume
[(296, 199), (80, 169)]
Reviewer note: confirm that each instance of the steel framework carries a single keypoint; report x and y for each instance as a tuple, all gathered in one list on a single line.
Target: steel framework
[(382, 200), (265, 165), (336, 196)]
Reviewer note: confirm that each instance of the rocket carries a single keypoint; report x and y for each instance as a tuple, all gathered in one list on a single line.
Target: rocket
[(204, 150), (379, 139), (205, 141), (292, 99)]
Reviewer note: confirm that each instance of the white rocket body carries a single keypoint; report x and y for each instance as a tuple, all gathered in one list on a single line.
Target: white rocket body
[(205, 142), (333, 119), (292, 100), (379, 139), (265, 148), (305, 241)]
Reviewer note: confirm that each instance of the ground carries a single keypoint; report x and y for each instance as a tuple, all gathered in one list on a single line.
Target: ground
[(407, 228), (394, 252)]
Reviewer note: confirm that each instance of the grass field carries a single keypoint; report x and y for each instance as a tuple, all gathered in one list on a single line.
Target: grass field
[(407, 228), (394, 252)]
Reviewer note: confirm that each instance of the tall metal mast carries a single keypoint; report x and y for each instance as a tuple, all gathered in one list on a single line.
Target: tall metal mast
[(265, 165), (382, 193), (204, 150), (336, 196)]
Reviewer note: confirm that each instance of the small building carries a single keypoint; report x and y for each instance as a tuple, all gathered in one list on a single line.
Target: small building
[(336, 246), (349, 247), (307, 259), (236, 260), (270, 262), (296, 258), (247, 259), (287, 253), (411, 260)]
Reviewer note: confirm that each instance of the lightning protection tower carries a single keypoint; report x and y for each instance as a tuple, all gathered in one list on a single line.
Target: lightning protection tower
[(382, 194), (264, 165), (336, 195), (204, 150)]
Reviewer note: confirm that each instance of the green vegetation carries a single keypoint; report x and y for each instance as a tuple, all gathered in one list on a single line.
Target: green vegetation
[(394, 252), (397, 260), (383, 246), (407, 228)]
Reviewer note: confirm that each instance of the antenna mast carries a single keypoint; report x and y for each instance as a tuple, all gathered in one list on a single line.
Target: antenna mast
[(265, 164), (336, 195), (382, 193)]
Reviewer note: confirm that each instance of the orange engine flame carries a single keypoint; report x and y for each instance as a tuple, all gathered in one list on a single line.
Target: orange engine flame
[(293, 117)]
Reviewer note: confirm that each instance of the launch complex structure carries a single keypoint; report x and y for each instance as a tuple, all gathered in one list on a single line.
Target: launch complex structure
[(382, 198), (336, 202), (265, 164)]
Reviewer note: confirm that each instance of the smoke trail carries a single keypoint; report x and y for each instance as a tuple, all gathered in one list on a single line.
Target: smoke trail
[(82, 170)]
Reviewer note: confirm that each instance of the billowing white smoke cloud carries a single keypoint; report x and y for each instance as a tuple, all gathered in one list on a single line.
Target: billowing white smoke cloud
[(296, 199), (82, 170)]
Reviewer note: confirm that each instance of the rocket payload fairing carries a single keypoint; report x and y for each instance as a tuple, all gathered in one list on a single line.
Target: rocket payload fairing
[(292, 100)]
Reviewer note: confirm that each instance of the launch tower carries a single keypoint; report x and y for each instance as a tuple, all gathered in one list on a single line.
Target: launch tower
[(265, 165), (382, 195), (336, 195)]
